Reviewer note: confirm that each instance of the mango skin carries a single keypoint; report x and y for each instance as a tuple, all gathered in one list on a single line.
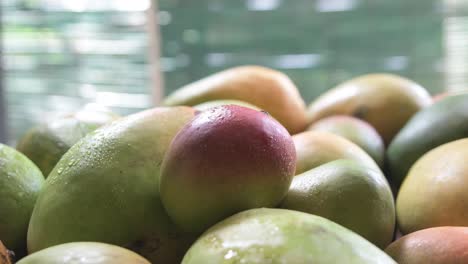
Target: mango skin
[(348, 194), (278, 236), (84, 253), (45, 144), (434, 193), (20, 182), (315, 148), (385, 101), (265, 88), (227, 159), (440, 123), (437, 245), (105, 189), (210, 104), (355, 130)]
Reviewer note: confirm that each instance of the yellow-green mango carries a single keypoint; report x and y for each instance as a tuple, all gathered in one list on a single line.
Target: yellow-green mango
[(46, 143), (20, 184), (347, 193), (386, 101), (278, 236), (106, 189), (84, 253), (355, 130)]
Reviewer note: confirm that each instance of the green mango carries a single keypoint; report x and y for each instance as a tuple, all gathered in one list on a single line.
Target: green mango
[(46, 143), (315, 148), (20, 183), (444, 121), (277, 236), (106, 189), (348, 193), (84, 253), (355, 130)]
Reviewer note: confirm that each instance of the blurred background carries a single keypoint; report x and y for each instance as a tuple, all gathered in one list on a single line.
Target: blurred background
[(58, 55)]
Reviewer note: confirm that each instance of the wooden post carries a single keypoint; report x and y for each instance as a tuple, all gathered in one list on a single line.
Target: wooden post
[(154, 37)]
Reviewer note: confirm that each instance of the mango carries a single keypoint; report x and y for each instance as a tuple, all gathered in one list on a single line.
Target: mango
[(434, 192), (20, 183), (385, 101), (265, 88), (348, 194), (46, 143), (355, 130), (315, 148), (106, 189), (84, 253), (225, 160), (437, 245), (214, 103), (276, 236), (440, 123)]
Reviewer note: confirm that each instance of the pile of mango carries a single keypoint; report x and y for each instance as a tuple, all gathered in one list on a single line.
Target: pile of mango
[(235, 168)]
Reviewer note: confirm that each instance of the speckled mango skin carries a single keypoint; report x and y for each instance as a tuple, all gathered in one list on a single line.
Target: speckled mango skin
[(45, 144), (434, 192), (349, 194), (385, 101), (437, 245), (84, 253), (355, 130), (277, 236), (315, 148), (227, 159), (105, 189), (20, 183), (270, 90), (440, 123)]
